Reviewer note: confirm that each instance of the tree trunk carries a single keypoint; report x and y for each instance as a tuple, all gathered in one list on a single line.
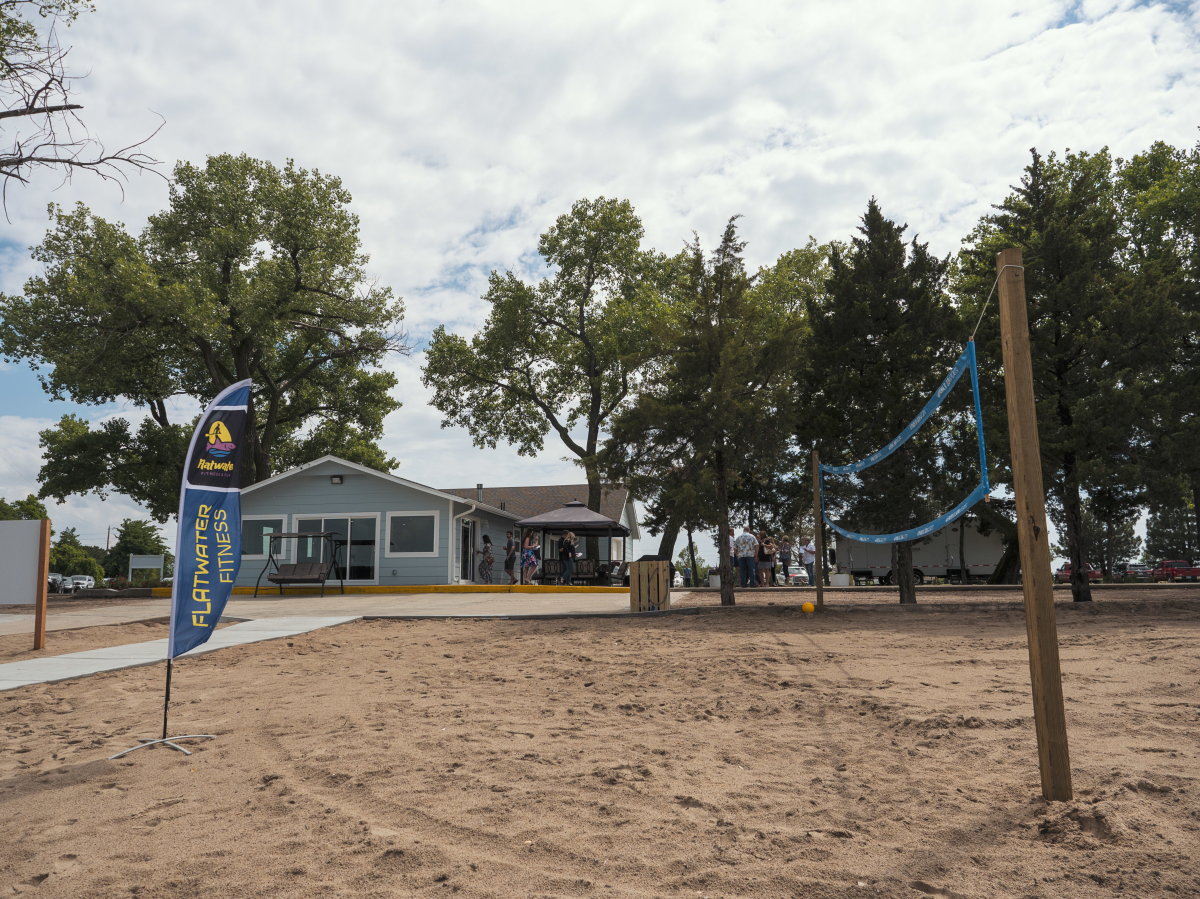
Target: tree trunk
[(1081, 588), (250, 458), (1009, 565), (904, 573), (666, 546), (1196, 509), (691, 546), (595, 493), (962, 550), (727, 574)]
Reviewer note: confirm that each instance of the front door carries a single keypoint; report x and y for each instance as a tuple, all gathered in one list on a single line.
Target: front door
[(466, 562)]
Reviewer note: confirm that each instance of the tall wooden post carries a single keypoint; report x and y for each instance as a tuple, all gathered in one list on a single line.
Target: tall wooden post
[(819, 568), (1044, 673), (39, 608)]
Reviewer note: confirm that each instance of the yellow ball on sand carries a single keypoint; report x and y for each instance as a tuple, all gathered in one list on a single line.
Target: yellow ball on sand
[(808, 607)]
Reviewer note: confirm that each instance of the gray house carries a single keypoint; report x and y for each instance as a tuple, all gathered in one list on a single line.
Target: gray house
[(398, 532)]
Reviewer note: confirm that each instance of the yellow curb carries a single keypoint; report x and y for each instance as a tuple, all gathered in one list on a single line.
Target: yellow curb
[(334, 589)]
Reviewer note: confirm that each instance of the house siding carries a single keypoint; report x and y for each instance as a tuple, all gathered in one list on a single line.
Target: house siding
[(309, 493)]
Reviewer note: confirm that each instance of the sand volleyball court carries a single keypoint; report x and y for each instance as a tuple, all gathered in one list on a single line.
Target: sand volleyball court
[(759, 753)]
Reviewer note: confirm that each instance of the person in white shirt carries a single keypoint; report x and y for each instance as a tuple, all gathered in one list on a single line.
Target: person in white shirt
[(808, 551), (747, 550)]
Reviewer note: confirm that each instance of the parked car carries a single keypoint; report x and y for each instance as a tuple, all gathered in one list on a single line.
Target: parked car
[(83, 581), (1138, 571), (1175, 570), (58, 583), (1063, 575)]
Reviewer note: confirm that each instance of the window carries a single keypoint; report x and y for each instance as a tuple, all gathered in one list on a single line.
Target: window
[(412, 534), (255, 539)]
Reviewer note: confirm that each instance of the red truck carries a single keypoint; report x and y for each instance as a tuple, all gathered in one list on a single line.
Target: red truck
[(1175, 570), (1063, 575)]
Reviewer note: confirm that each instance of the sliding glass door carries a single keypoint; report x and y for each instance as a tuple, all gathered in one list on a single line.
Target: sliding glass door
[(354, 540)]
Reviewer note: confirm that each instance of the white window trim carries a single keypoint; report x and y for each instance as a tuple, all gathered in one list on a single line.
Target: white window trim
[(297, 516), (282, 518), (437, 535)]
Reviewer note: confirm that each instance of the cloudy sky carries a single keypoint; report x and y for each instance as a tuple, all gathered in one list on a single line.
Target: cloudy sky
[(464, 129)]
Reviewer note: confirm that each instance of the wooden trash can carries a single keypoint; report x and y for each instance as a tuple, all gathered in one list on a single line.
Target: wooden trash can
[(649, 586)]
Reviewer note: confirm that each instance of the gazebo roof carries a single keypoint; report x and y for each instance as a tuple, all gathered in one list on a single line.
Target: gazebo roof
[(573, 516)]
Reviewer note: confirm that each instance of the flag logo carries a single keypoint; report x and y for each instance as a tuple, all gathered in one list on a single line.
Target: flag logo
[(220, 441)]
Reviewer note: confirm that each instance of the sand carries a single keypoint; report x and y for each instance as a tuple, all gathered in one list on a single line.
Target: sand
[(757, 753)]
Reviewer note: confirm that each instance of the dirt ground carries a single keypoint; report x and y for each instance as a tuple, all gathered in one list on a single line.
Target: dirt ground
[(755, 753)]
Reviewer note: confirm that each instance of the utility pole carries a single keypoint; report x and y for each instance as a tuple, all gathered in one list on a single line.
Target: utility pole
[(1045, 675)]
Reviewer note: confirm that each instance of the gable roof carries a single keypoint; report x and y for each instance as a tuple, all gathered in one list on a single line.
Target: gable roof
[(391, 478), (527, 502)]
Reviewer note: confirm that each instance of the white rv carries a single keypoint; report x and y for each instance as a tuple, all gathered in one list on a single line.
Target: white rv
[(935, 556)]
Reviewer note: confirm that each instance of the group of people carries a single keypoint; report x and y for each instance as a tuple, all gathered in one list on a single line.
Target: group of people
[(530, 548), (755, 557)]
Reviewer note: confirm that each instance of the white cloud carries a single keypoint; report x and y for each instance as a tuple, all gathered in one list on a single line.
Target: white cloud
[(464, 129)]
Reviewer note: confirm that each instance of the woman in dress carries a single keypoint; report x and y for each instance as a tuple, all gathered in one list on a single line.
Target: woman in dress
[(566, 555), (486, 560), (766, 558), (529, 559)]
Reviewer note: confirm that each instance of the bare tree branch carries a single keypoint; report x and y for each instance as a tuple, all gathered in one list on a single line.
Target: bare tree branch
[(35, 91)]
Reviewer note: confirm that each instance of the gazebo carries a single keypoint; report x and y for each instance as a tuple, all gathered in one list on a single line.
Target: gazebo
[(575, 516)]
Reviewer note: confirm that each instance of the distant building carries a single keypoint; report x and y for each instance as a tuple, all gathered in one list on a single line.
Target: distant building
[(396, 532)]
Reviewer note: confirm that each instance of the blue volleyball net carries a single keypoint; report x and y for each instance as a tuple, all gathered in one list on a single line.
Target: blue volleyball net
[(966, 362)]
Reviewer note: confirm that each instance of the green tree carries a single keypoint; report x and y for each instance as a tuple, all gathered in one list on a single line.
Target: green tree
[(698, 565), (727, 359), (1171, 531), (1159, 196), (136, 538), (28, 509), (1095, 335), (252, 272), (562, 354), (882, 338), (1108, 537), (70, 557)]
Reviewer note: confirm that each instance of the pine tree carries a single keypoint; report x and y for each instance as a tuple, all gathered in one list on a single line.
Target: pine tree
[(1094, 332), (1171, 531), (882, 338), (727, 359)]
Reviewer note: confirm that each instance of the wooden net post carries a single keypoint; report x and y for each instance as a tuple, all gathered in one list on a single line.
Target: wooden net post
[(39, 609), (1045, 675)]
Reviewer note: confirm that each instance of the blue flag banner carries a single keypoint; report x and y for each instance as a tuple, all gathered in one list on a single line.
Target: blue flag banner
[(966, 362), (208, 549)]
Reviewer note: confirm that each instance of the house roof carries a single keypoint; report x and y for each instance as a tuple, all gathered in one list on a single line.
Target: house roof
[(527, 502), (362, 469), (573, 516)]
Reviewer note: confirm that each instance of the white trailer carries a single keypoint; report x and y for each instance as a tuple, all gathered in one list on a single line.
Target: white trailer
[(935, 556)]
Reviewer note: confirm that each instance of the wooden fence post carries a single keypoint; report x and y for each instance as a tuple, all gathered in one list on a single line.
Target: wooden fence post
[(1045, 674), (819, 568), (39, 608)]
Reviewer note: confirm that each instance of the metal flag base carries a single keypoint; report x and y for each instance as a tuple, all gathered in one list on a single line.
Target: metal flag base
[(169, 742)]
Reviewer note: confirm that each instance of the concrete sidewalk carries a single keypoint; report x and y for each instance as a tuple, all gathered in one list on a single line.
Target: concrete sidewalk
[(62, 620), (336, 605), (269, 618), (50, 669)]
